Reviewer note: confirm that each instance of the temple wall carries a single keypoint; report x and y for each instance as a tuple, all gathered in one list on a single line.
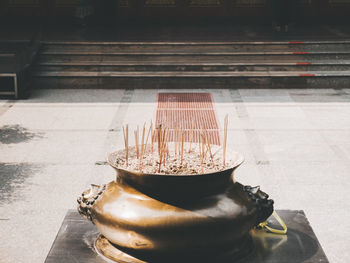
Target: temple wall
[(186, 7)]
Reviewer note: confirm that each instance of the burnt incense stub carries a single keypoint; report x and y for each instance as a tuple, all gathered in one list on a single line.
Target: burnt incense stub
[(157, 217)]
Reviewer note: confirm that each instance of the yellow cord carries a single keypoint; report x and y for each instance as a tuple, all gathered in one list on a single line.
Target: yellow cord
[(273, 230)]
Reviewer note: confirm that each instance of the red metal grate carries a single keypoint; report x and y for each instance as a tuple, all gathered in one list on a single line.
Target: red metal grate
[(188, 111)]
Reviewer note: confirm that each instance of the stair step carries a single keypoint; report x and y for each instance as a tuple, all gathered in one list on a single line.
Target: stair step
[(192, 59), (195, 46), (192, 63), (195, 43), (168, 53), (192, 49), (161, 60), (194, 67), (221, 74), (280, 64), (179, 82)]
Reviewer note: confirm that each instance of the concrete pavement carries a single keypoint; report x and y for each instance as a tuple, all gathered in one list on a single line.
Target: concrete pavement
[(53, 145)]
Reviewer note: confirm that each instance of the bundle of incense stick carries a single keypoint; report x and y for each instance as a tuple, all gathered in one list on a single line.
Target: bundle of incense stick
[(126, 143), (207, 139), (140, 143), (162, 135), (145, 143)]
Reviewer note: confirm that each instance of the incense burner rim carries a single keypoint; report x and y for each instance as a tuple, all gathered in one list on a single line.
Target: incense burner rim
[(238, 162)]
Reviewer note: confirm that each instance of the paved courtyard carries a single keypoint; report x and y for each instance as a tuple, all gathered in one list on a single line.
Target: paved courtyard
[(54, 144)]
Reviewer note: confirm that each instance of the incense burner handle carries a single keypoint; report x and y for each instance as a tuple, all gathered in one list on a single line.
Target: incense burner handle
[(262, 202), (88, 198)]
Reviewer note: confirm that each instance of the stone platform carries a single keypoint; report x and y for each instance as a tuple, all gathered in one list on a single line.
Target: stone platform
[(75, 242)]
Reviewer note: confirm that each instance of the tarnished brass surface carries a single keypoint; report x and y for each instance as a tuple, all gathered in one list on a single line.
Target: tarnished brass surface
[(110, 252), (178, 188), (156, 217), (151, 228), (106, 249), (76, 242)]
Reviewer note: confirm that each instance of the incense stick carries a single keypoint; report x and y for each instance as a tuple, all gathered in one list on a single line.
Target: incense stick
[(225, 139), (152, 134), (148, 133), (142, 146), (159, 131), (201, 139), (126, 143), (136, 133), (175, 141), (181, 133), (209, 145), (191, 137), (182, 147), (164, 144), (178, 142)]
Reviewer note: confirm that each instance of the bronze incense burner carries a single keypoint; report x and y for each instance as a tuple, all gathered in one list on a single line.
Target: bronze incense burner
[(167, 218)]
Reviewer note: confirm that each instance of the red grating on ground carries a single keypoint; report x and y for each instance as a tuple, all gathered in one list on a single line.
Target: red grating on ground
[(190, 112)]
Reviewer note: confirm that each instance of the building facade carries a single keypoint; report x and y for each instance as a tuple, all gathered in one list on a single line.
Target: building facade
[(248, 9)]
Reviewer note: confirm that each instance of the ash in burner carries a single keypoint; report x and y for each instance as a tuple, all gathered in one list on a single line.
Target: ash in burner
[(191, 163)]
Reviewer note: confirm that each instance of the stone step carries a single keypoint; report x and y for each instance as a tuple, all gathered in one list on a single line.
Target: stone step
[(193, 64), (196, 46), (196, 43), (189, 53), (189, 74), (174, 58), (169, 60), (195, 81), (248, 66)]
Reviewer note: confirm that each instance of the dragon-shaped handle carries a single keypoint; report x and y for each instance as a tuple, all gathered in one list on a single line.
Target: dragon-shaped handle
[(88, 198), (263, 204)]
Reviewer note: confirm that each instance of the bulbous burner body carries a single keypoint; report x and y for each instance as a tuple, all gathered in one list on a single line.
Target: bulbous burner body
[(165, 218)]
